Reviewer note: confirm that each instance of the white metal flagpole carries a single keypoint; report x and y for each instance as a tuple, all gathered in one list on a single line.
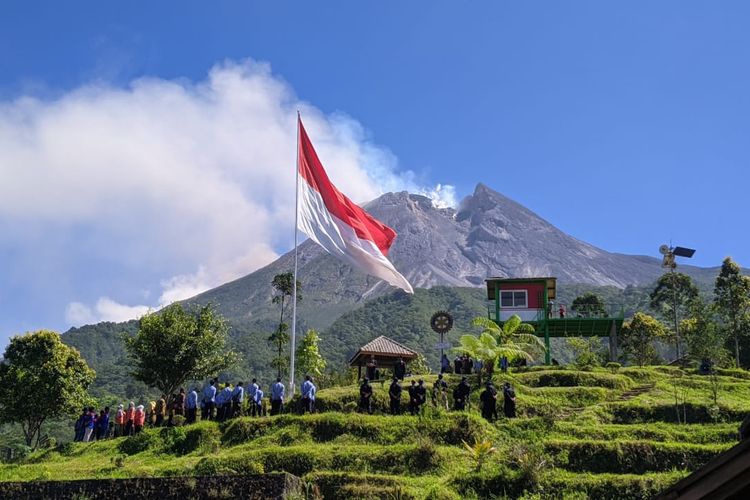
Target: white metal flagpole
[(294, 282)]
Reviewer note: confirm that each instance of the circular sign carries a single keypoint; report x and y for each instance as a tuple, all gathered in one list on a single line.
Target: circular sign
[(441, 322)]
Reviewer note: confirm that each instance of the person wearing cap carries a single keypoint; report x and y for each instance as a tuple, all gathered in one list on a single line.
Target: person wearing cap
[(509, 401), (139, 419), (120, 421), (129, 416), (394, 393), (277, 397), (258, 402), (365, 396), (251, 395)]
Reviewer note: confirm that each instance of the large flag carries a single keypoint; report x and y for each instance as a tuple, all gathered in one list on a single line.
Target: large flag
[(337, 224)]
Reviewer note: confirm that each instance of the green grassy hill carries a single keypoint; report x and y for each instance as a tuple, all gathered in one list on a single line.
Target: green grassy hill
[(579, 435)]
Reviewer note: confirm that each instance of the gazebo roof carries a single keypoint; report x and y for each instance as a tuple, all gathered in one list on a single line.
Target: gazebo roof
[(383, 347)]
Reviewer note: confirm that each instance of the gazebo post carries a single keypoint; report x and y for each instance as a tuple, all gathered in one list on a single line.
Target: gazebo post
[(359, 371)]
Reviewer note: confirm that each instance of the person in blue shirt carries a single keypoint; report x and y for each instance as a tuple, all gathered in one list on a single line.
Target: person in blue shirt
[(225, 406), (258, 402), (251, 395), (102, 424), (277, 397), (209, 401), (191, 406), (238, 395), (308, 394)]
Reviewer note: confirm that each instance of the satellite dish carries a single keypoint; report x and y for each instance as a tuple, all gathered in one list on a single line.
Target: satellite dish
[(664, 249)]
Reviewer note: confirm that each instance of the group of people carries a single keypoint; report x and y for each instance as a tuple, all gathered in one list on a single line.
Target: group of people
[(215, 402), (418, 397), (462, 365)]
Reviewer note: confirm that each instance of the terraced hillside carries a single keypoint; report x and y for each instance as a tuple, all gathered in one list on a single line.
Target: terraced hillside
[(579, 435)]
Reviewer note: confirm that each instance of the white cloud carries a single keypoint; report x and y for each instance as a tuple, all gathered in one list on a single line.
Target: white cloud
[(188, 183)]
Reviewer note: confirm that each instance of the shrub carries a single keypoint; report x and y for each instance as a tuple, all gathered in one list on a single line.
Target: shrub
[(613, 366), (138, 443), (211, 466), (200, 437), (564, 378)]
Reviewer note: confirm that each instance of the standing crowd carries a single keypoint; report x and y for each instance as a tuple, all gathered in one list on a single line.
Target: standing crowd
[(215, 402)]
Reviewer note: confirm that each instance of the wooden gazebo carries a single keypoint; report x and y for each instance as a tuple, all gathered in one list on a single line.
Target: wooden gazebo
[(385, 351)]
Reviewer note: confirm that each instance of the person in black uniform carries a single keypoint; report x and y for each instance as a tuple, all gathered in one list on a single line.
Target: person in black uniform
[(413, 407), (461, 394), (509, 401), (421, 392), (394, 392), (457, 368), (400, 369), (365, 396), (488, 397)]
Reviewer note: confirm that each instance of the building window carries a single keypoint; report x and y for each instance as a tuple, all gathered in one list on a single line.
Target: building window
[(516, 299)]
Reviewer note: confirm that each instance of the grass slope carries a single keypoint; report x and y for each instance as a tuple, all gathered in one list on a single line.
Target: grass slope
[(579, 435)]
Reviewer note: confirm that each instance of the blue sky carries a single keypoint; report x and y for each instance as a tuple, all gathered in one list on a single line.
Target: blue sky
[(624, 124)]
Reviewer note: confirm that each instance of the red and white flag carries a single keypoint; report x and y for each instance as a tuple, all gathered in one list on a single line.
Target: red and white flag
[(337, 224)]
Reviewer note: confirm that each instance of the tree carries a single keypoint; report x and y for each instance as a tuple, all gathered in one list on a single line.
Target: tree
[(672, 298), (638, 336), (732, 299), (309, 359), (514, 340), (173, 346), (589, 305), (283, 289), (41, 378)]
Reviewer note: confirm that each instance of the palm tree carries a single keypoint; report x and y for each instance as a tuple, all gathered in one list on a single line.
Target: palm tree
[(514, 340)]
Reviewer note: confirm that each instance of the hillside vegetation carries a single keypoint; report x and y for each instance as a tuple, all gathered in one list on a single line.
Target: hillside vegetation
[(579, 434)]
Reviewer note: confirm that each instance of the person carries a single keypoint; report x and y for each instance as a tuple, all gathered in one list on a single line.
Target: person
[(445, 364), (467, 364), (209, 401), (394, 393), (191, 406), (225, 408), (421, 392), (119, 421), (308, 394), (478, 365), (258, 402), (440, 393), (457, 368), (238, 395), (161, 410), (488, 398), (365, 396), (413, 406), (562, 311), (399, 371), (461, 394), (151, 413), (372, 366), (509, 401), (251, 395), (102, 424), (129, 416), (503, 364), (277, 397), (80, 425), (139, 419), (89, 422), (179, 402)]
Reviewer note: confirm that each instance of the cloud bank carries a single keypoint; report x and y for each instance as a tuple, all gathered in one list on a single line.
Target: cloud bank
[(186, 183)]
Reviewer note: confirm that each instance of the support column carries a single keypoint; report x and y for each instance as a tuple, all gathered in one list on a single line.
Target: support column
[(613, 342)]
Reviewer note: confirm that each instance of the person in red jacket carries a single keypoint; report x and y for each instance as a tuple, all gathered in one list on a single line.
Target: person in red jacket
[(139, 419), (129, 416)]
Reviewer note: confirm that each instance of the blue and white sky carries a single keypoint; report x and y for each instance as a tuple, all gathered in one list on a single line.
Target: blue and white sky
[(147, 148)]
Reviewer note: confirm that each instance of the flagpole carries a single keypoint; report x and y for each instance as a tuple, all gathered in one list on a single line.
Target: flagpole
[(294, 281)]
